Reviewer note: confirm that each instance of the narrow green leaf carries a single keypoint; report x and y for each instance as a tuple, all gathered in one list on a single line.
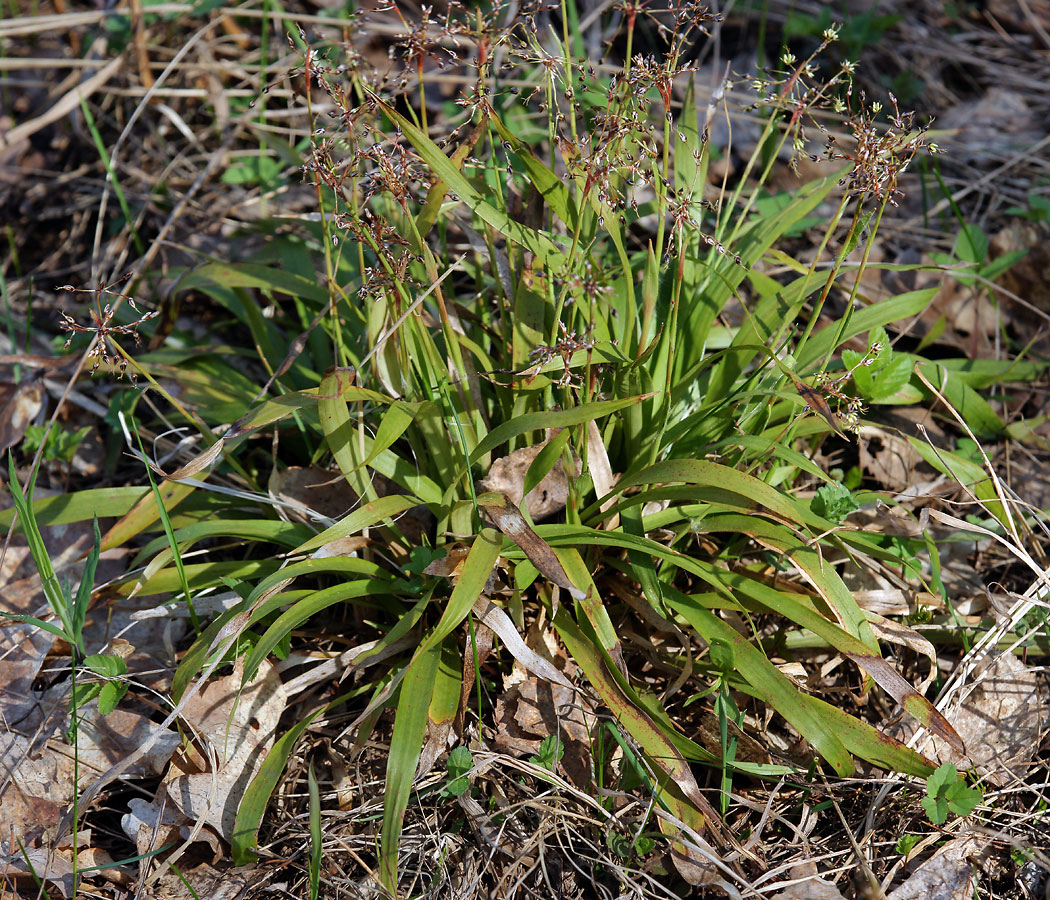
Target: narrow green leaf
[(300, 612), (365, 516), (770, 685), (549, 419), (545, 460), (473, 575), (554, 191), (252, 275), (706, 473), (893, 309), (80, 506), (406, 743)]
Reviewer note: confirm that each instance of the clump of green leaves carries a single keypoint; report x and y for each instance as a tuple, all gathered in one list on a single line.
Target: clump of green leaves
[(947, 791), (550, 753), (459, 763), (551, 273), (834, 501), (59, 444), (110, 689)]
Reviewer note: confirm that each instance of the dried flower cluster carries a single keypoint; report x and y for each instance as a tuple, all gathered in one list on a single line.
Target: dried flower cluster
[(879, 155), (829, 388), (569, 343), (101, 349)]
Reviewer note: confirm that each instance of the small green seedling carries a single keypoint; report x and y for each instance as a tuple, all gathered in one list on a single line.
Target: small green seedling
[(550, 753), (906, 843), (835, 502), (946, 790), (59, 445), (973, 246), (1038, 209), (627, 847), (460, 761), (880, 375), (110, 690)]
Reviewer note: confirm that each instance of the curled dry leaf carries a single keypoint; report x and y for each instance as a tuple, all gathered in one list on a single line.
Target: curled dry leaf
[(889, 459), (239, 726), (533, 708), (35, 787), (102, 740), (19, 406), (1001, 719), (507, 476), (311, 494), (152, 824), (508, 519), (29, 867)]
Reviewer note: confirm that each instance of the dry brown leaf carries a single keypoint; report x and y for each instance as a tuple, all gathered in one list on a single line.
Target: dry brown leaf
[(948, 875), (508, 519), (507, 476), (311, 489), (1001, 720), (970, 317), (888, 458), (23, 649), (155, 823), (24, 867), (102, 740), (99, 859), (312, 494), (808, 885), (531, 709), (240, 727), (210, 882), (19, 406), (35, 786)]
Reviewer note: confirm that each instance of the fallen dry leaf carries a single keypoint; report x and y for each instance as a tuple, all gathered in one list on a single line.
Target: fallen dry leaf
[(36, 786), (240, 727), (507, 476), (889, 458), (1001, 719), (508, 519), (313, 494), (102, 740), (808, 885), (26, 868), (948, 875), (19, 406), (531, 708)]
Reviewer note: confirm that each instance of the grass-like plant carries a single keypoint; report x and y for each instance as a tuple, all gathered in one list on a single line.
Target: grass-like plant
[(548, 262)]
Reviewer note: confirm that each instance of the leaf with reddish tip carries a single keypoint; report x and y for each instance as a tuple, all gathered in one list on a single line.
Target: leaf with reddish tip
[(508, 519), (891, 681)]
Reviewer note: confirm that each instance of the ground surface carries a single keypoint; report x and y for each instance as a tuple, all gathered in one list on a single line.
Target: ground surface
[(190, 171)]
